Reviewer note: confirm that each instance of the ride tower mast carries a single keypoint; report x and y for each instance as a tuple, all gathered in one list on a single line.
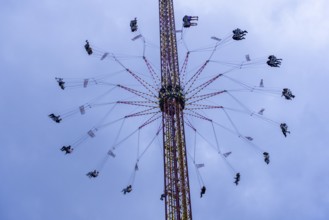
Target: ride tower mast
[(172, 103)]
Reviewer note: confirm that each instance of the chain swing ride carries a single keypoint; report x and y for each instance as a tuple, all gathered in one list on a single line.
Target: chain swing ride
[(171, 98)]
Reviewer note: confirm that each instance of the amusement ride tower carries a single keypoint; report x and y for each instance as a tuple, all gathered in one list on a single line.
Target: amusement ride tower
[(172, 102)]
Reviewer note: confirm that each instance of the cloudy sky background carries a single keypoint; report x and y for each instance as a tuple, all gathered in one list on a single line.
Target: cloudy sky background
[(43, 40)]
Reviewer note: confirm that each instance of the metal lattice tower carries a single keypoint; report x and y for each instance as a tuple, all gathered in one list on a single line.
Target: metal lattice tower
[(172, 102)]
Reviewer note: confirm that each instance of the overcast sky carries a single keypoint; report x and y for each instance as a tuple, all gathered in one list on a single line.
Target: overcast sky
[(41, 40)]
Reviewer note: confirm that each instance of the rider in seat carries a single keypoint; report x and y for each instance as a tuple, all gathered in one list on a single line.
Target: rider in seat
[(238, 34), (55, 118), (67, 149), (133, 25), (287, 94), (266, 157), (237, 178), (60, 83), (273, 61), (187, 21), (128, 189), (203, 191), (93, 174), (284, 129), (88, 48)]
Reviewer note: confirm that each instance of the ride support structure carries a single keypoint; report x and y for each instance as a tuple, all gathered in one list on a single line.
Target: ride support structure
[(172, 103)]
